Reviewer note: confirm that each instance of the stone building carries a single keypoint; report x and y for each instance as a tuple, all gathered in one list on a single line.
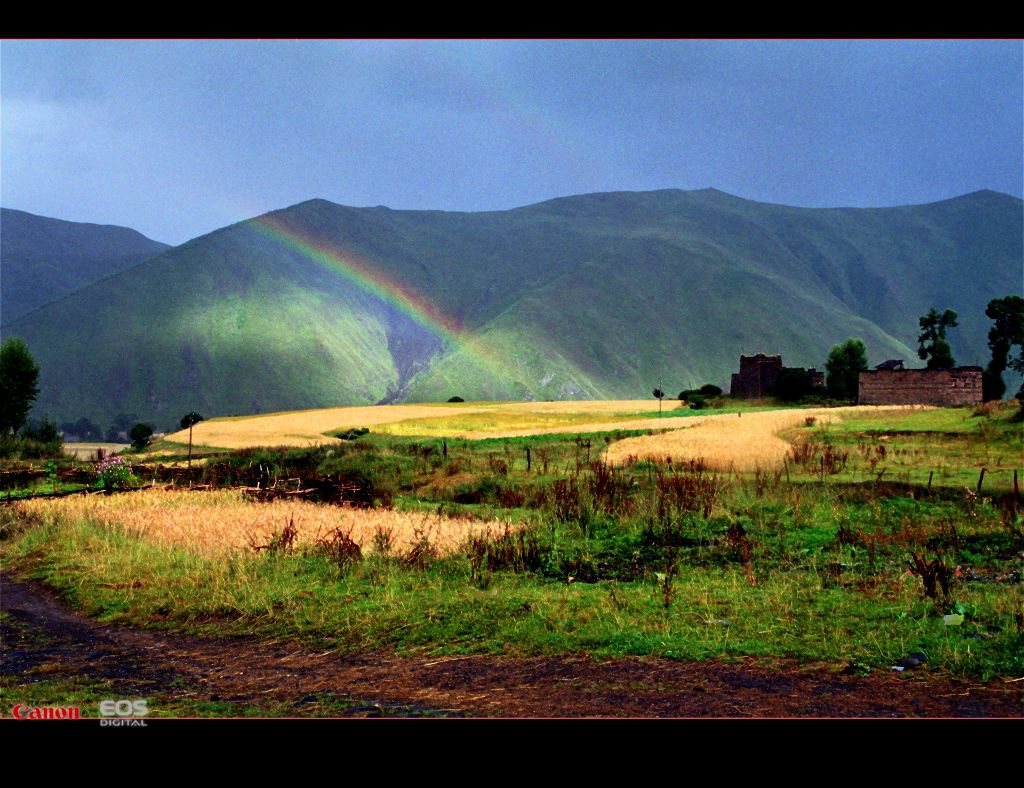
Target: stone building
[(957, 386), (759, 373)]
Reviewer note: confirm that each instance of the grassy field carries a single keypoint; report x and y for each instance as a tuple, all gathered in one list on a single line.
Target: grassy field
[(945, 446), (469, 420), (537, 545)]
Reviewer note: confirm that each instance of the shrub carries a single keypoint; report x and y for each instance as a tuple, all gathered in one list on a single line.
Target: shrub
[(456, 399), (339, 547), (140, 435), (38, 440), (350, 434), (114, 473)]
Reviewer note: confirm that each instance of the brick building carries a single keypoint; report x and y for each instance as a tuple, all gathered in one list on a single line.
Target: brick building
[(958, 386), (759, 373)]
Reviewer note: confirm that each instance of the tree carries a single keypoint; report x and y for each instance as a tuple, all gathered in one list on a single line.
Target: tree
[(660, 394), (19, 384), (188, 421), (843, 367), (792, 385), (82, 430), (140, 435), (1008, 314), (932, 344)]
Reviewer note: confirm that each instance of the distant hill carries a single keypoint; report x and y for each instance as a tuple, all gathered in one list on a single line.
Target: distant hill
[(600, 295), (42, 259)]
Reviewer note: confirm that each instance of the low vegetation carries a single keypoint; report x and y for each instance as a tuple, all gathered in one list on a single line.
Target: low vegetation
[(550, 544)]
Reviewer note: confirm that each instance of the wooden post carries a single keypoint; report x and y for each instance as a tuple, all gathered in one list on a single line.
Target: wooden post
[(981, 477), (444, 450), (822, 475), (786, 466), (528, 459), (190, 451), (930, 480), (1016, 489)]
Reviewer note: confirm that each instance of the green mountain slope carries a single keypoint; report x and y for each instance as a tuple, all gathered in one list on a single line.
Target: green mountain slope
[(601, 295), (43, 259)]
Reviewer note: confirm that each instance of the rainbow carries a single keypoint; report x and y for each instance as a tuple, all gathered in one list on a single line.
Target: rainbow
[(370, 279)]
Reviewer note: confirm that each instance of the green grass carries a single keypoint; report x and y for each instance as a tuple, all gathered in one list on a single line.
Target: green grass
[(788, 613), (629, 561), (599, 586), (41, 487), (963, 421), (949, 446)]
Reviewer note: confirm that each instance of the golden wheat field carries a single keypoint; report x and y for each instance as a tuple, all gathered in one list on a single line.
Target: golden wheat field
[(222, 521), (457, 420), (744, 442)]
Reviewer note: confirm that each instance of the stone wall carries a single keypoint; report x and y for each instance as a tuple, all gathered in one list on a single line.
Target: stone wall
[(959, 386)]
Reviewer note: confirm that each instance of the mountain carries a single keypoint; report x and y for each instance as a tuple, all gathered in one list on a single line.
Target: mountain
[(43, 259), (599, 295)]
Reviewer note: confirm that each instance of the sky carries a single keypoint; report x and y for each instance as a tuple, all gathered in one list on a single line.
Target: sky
[(179, 138)]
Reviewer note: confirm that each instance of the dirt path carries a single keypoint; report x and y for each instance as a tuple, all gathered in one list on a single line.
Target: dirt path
[(42, 639)]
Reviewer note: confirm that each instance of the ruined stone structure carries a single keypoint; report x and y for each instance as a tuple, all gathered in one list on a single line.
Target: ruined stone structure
[(760, 372), (958, 386)]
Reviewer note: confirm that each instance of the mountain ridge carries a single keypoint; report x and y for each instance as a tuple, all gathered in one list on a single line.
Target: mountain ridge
[(45, 258), (600, 295)]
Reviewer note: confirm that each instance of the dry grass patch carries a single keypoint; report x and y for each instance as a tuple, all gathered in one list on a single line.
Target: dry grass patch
[(741, 442), (302, 427), (467, 420), (220, 522)]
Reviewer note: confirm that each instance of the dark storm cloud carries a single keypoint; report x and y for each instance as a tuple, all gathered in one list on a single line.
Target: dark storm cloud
[(178, 138)]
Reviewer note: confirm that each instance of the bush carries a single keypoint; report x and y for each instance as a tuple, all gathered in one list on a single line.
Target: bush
[(37, 441), (456, 399), (707, 391), (114, 473), (140, 435), (44, 431), (351, 434), (697, 402)]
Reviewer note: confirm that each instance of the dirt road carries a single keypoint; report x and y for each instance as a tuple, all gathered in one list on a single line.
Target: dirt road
[(41, 639)]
